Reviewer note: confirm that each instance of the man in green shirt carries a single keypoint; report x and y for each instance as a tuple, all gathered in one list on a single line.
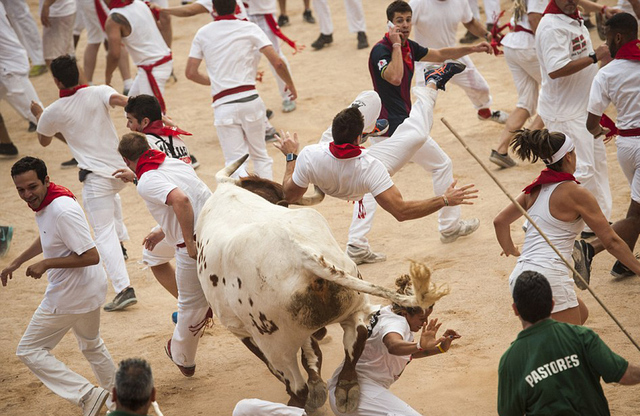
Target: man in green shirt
[(134, 391), (553, 368)]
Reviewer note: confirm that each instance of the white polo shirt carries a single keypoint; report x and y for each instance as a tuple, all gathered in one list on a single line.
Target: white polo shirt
[(435, 22), (560, 40), (230, 49), (241, 12), (618, 82), (84, 121), (63, 231), (155, 185), (60, 8), (13, 57), (347, 179), (524, 40)]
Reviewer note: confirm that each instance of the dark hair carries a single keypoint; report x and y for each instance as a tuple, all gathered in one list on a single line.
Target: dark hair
[(532, 296), (134, 383), (133, 145), (65, 69), (28, 163), (538, 144), (625, 24), (347, 125), (144, 106), (398, 6), (224, 7)]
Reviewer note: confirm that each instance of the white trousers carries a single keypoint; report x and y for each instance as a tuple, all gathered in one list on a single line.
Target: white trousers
[(375, 400), (141, 83), (354, 11), (432, 159), (262, 24), (45, 332), (254, 407), (470, 80), (525, 70), (57, 39), (491, 9), (591, 165), (26, 29), (240, 128), (629, 159), (192, 309), (19, 92), (121, 229), (102, 211), (87, 11)]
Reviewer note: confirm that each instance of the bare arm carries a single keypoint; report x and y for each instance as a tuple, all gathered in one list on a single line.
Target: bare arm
[(289, 144), (33, 250), (394, 71), (441, 55), (118, 100), (73, 260), (187, 10), (474, 26), (192, 73), (534, 21), (631, 376), (44, 14), (593, 125), (635, 4), (281, 69), (580, 63), (502, 226), (184, 213), (113, 30)]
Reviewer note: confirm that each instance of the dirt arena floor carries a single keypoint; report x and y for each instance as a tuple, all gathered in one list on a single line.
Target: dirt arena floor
[(462, 382)]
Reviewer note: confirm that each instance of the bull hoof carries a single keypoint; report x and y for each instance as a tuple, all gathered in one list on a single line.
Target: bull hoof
[(347, 396), (317, 394)]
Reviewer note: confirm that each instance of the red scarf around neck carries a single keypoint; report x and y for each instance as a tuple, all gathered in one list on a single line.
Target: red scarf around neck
[(118, 4), (68, 92), (149, 160), (345, 151), (407, 57), (552, 8), (159, 128), (225, 17), (630, 51), (549, 176), (53, 191)]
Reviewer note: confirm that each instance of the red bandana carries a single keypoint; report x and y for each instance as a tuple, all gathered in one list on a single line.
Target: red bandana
[(68, 92), (553, 8), (630, 51), (54, 191), (407, 57), (345, 151), (118, 4), (149, 160), (549, 176), (226, 17), (159, 128)]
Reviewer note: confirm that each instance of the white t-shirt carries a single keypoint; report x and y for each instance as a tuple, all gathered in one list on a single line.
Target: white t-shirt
[(230, 49), (84, 121), (618, 82), (145, 43), (261, 6), (435, 22), (60, 8), (175, 148), (63, 231), (347, 179), (560, 40), (524, 40), (155, 185), (13, 57), (241, 12)]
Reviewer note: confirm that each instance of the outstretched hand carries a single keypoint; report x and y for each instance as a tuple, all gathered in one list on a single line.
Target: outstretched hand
[(482, 47), (286, 143), (459, 196), (428, 339)]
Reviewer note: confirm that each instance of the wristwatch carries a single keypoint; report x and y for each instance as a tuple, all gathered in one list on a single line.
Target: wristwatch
[(291, 157), (594, 57)]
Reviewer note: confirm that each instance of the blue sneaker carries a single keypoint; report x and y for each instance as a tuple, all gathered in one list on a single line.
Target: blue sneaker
[(442, 74), (382, 126), (174, 317)]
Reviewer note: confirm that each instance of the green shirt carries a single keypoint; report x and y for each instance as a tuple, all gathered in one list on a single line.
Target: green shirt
[(122, 413), (553, 368)]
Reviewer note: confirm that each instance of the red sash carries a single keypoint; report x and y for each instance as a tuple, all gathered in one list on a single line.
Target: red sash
[(496, 34), (152, 80), (549, 176), (53, 191), (519, 28), (149, 160), (233, 90), (345, 151), (552, 8), (161, 129), (68, 92), (273, 25), (630, 51), (407, 57)]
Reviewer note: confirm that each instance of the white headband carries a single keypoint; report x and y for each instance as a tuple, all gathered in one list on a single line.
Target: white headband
[(566, 147)]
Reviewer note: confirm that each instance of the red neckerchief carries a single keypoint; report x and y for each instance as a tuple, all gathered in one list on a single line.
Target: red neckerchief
[(159, 128), (549, 176), (630, 51), (149, 160), (68, 92), (53, 191), (552, 8), (225, 17), (407, 57), (345, 151), (118, 4)]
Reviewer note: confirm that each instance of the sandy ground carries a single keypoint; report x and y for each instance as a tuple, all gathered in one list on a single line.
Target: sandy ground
[(462, 382)]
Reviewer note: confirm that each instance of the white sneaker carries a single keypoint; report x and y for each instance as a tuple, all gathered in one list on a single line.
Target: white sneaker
[(466, 227), (288, 106), (93, 401), (364, 255), (497, 116)]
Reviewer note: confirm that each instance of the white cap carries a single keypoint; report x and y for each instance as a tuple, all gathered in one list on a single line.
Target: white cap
[(369, 104)]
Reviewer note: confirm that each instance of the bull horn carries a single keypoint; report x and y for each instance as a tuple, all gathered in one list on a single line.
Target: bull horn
[(224, 174), (314, 199)]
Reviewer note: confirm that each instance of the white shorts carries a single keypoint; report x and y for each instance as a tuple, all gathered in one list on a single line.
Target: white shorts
[(525, 69), (95, 33), (629, 159), (162, 253), (562, 285), (57, 39)]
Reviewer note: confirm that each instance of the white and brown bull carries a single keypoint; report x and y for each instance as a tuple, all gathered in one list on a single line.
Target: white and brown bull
[(275, 277)]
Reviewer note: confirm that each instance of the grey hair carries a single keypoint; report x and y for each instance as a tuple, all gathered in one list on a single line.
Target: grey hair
[(134, 383)]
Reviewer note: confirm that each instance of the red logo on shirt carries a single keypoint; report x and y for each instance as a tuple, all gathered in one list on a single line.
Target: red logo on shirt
[(578, 44)]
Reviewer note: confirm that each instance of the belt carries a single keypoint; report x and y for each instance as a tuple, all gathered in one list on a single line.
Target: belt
[(183, 245), (242, 100), (234, 90), (83, 173), (519, 28), (629, 132), (148, 69)]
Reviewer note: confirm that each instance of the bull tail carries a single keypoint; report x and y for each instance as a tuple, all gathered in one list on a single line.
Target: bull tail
[(224, 174), (426, 292)]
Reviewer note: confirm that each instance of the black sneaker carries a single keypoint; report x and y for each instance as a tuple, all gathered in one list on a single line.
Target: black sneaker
[(124, 251), (6, 232), (442, 74), (269, 114), (270, 134), (585, 235), (8, 150), (322, 41), (73, 163), (283, 20), (362, 40), (308, 17), (194, 162), (504, 161), (469, 38), (620, 271), (122, 300), (32, 127), (582, 255)]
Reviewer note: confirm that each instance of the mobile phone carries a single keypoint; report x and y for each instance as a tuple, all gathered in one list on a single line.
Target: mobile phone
[(390, 24)]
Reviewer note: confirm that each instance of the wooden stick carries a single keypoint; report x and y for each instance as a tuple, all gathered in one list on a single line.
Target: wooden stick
[(526, 214)]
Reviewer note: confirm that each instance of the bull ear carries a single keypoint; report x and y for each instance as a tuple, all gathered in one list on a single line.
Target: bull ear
[(224, 175), (313, 199)]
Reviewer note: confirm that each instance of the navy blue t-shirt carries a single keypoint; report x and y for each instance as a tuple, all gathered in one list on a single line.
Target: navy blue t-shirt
[(396, 101)]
